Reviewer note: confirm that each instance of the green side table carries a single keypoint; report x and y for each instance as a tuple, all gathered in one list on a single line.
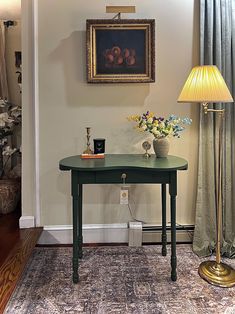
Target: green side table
[(137, 170)]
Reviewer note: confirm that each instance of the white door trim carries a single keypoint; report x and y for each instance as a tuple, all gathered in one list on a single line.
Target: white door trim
[(36, 114)]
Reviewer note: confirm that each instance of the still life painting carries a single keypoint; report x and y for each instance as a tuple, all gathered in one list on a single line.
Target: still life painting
[(120, 51)]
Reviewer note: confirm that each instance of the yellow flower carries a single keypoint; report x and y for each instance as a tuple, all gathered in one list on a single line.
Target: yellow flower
[(140, 129), (133, 118), (154, 130), (144, 127), (151, 114)]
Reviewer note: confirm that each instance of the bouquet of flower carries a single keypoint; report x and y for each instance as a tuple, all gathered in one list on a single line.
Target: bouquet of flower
[(158, 126), (10, 116)]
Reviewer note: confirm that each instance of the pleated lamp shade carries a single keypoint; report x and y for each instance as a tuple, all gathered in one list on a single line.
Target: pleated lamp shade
[(205, 84)]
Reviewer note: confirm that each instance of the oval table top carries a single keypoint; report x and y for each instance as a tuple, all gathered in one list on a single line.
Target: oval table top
[(120, 161)]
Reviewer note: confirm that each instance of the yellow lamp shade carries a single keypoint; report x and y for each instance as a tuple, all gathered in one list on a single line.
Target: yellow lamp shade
[(205, 84)]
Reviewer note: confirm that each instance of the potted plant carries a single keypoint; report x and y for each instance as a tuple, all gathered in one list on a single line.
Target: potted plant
[(161, 128), (10, 117)]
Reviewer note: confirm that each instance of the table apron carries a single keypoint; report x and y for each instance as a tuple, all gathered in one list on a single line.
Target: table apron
[(115, 177)]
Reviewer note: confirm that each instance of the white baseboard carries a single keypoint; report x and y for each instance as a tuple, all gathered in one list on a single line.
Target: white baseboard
[(92, 233), (104, 233), (27, 222)]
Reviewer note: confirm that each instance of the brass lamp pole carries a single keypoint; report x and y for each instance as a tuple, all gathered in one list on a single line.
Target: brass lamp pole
[(205, 84)]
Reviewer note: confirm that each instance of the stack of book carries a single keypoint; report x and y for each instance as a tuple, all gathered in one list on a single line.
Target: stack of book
[(92, 156)]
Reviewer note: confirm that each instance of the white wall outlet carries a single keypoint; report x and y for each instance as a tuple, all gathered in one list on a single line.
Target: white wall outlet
[(124, 196)]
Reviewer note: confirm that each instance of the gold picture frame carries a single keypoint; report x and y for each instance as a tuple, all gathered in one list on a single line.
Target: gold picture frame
[(120, 51)]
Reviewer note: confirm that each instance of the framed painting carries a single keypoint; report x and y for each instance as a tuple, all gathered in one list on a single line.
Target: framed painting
[(120, 51)]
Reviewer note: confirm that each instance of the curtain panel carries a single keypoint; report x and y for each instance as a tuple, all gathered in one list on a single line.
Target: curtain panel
[(217, 46)]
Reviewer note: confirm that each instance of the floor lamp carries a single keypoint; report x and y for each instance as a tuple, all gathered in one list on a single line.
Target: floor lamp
[(205, 85)]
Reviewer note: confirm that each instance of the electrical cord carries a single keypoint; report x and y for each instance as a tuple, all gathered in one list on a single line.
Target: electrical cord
[(190, 233), (132, 216), (131, 212)]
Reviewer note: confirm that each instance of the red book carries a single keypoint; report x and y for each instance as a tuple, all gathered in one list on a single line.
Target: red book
[(92, 156)]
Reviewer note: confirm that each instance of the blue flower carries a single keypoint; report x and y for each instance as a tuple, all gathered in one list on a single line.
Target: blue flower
[(172, 117), (187, 121)]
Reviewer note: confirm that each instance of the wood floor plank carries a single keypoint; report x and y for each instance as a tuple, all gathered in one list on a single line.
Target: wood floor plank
[(13, 266), (9, 233)]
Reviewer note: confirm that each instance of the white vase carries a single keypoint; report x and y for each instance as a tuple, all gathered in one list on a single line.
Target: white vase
[(161, 147)]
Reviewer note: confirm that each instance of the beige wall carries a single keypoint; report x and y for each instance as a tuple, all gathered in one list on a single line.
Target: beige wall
[(28, 164), (67, 104)]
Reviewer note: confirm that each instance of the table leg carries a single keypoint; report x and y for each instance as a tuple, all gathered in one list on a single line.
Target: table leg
[(75, 225), (164, 237), (173, 193), (80, 237)]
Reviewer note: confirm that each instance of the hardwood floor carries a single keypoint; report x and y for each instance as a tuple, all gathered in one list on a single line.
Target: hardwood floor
[(15, 248), (9, 233)]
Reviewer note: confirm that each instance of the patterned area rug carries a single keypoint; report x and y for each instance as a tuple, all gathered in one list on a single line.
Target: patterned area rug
[(117, 280)]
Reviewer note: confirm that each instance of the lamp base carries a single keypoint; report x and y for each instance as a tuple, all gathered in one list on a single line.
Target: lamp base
[(216, 274)]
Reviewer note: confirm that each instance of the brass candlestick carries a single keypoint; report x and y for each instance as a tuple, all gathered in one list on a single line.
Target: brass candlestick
[(88, 149)]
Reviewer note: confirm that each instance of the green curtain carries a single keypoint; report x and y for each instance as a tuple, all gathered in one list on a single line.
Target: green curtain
[(217, 46)]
